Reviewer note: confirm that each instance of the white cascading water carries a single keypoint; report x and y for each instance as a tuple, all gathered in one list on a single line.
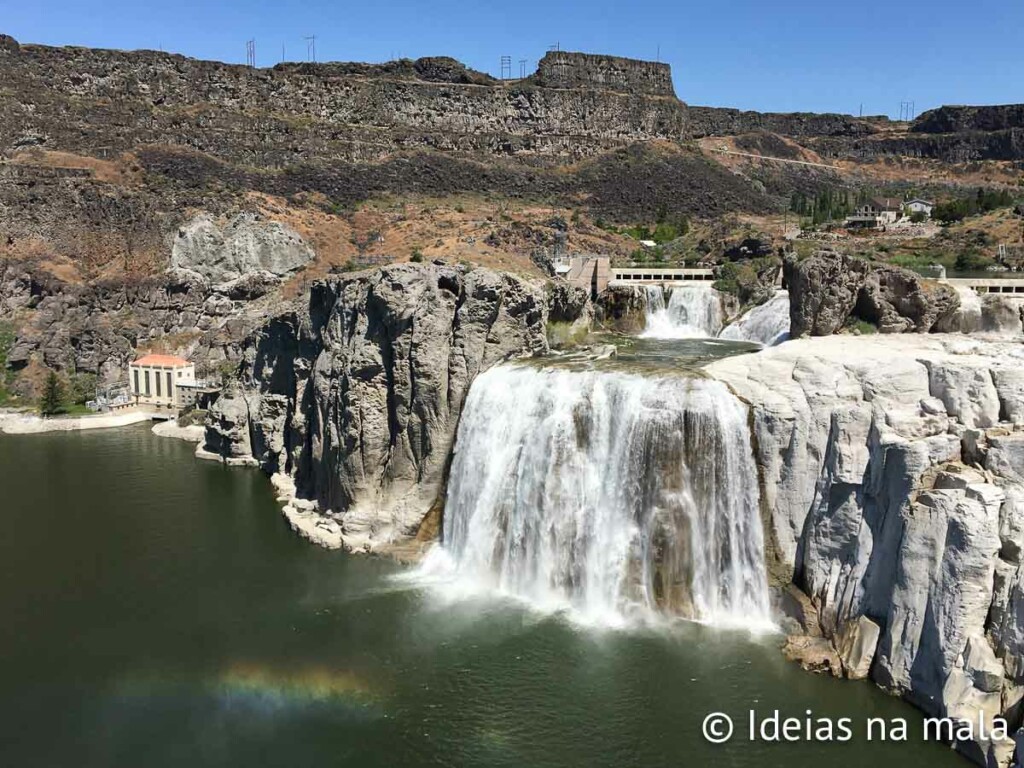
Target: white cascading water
[(766, 324), (970, 309), (606, 494), (691, 311)]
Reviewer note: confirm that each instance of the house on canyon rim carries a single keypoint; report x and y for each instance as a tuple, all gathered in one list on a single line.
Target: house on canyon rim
[(877, 213)]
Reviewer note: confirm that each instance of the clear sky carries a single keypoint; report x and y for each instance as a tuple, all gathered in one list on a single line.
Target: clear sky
[(786, 55)]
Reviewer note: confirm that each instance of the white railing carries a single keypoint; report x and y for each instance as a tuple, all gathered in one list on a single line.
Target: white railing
[(661, 275)]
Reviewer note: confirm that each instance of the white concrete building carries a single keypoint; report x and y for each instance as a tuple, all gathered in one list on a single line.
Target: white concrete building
[(917, 205), (877, 213), (163, 381)]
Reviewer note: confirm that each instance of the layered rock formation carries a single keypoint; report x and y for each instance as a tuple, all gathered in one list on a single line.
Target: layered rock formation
[(357, 395), (84, 99), (568, 69), (891, 470), (718, 121), (954, 119)]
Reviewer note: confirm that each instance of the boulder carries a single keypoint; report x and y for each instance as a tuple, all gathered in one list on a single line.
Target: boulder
[(247, 243), (856, 643), (829, 289)]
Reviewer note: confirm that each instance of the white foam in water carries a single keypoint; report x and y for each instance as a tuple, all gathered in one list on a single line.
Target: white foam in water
[(692, 311), (767, 324), (606, 495)]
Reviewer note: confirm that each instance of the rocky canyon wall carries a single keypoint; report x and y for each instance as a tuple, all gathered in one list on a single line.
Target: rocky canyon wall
[(221, 285), (891, 471), (357, 396), (90, 100)]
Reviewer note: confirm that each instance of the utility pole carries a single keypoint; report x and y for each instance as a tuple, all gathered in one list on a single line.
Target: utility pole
[(282, 53), (250, 53), (522, 69), (506, 67), (310, 48)]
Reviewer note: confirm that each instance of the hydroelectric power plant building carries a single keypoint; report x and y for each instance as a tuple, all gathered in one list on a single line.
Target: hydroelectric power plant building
[(164, 381)]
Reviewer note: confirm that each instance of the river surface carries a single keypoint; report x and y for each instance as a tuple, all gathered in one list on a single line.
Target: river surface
[(157, 611)]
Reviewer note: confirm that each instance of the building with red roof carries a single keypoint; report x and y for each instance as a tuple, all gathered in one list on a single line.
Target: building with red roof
[(163, 381)]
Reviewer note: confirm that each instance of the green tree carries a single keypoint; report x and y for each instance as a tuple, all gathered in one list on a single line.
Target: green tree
[(53, 396), (83, 388)]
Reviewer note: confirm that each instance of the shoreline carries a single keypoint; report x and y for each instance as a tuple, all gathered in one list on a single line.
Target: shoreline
[(31, 424)]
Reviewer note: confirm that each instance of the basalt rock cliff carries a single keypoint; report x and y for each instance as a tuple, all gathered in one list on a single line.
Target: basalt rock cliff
[(356, 395), (892, 471)]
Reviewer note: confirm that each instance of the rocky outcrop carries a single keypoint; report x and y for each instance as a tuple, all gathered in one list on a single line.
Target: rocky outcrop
[(622, 308), (954, 119), (99, 328), (244, 245), (80, 99), (892, 475), (357, 395), (829, 290), (717, 121), (569, 69)]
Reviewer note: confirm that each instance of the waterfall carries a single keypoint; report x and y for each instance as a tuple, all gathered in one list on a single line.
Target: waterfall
[(767, 324), (692, 311), (970, 309), (605, 494)]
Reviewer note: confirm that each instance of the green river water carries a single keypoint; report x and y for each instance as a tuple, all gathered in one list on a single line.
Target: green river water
[(156, 610)]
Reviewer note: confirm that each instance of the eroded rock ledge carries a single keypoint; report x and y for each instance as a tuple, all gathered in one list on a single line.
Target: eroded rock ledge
[(357, 396), (893, 496)]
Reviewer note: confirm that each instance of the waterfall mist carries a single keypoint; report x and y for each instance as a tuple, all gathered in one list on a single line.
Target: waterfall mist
[(606, 494)]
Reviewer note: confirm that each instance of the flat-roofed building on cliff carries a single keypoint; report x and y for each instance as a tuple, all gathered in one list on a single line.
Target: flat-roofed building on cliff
[(164, 381)]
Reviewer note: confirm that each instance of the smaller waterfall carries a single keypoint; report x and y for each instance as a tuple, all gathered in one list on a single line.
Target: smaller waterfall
[(767, 324), (692, 311), (970, 309)]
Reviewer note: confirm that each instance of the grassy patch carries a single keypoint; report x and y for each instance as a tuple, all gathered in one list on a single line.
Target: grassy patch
[(861, 328)]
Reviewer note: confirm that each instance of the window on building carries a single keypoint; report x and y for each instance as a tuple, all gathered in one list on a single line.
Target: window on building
[(147, 383), (158, 384), (137, 390), (170, 388)]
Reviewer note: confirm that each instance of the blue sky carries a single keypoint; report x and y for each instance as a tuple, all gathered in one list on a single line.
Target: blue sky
[(753, 54)]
